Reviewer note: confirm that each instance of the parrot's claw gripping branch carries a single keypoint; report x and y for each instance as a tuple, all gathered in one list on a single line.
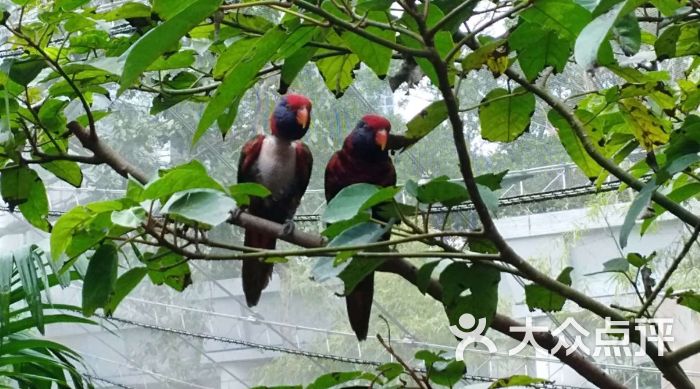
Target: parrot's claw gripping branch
[(288, 228)]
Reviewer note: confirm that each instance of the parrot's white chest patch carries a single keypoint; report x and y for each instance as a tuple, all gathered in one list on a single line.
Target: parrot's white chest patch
[(276, 164)]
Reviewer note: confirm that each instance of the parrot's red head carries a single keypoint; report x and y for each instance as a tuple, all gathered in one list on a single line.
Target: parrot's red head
[(291, 118), (369, 138)]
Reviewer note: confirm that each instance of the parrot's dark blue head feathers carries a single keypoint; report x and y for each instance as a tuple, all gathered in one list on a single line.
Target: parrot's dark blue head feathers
[(369, 138), (291, 118)]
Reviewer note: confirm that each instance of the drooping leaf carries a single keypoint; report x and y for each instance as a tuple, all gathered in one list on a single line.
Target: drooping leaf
[(100, 278), (162, 38), (594, 34), (628, 34), (123, 286), (129, 218), (539, 297), (504, 116), (440, 190), (573, 146), (338, 71), (639, 204), (26, 267), (24, 70), (615, 265), (353, 199), (424, 275), (16, 183), (36, 209)]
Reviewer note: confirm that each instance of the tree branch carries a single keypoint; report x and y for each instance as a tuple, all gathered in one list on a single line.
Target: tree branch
[(684, 352), (670, 271)]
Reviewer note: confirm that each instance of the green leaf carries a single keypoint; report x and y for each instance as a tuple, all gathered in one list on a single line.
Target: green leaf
[(125, 11), (16, 183), (123, 286), (690, 299), (36, 209), (205, 206), (470, 289), (129, 218), (6, 271), (573, 146), (539, 297), (332, 380), (678, 40), (517, 380), (233, 55), (592, 37), (504, 118), (424, 276), (678, 195), (447, 373), (491, 180), (168, 268), (440, 190), (51, 115), (563, 16), (293, 65), (64, 228), (24, 70), (363, 6), (68, 171), (374, 55), (426, 120), (239, 79), (100, 278), (639, 204), (162, 38), (628, 34), (489, 198), (390, 370), (615, 265), (668, 7), (181, 59), (480, 57), (241, 192), (166, 9), (348, 202), (538, 48), (638, 260), (327, 267), (338, 71), (191, 175)]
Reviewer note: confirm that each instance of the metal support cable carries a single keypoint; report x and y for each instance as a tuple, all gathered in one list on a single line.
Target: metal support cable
[(308, 354)]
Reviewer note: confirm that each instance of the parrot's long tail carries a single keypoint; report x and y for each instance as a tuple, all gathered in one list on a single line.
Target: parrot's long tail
[(359, 306), (256, 274)]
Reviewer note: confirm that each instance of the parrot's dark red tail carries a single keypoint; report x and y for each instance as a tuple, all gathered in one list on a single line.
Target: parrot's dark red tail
[(256, 274), (359, 306)]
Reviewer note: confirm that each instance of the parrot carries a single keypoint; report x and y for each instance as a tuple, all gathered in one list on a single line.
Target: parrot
[(282, 163), (363, 158)]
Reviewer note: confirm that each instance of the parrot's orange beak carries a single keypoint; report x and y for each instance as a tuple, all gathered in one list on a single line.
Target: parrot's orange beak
[(381, 138), (303, 117)]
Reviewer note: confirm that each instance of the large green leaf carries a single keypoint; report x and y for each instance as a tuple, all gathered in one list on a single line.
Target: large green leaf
[(242, 192), (481, 282), (573, 146), (36, 209), (162, 38), (374, 55), (238, 80), (565, 17), (233, 55), (517, 380), (504, 116), (191, 175), (338, 71), (690, 299), (16, 183), (440, 190), (123, 286), (539, 297), (679, 40), (24, 70), (537, 48), (628, 33), (100, 278), (67, 171), (204, 206), (426, 120), (355, 198)]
